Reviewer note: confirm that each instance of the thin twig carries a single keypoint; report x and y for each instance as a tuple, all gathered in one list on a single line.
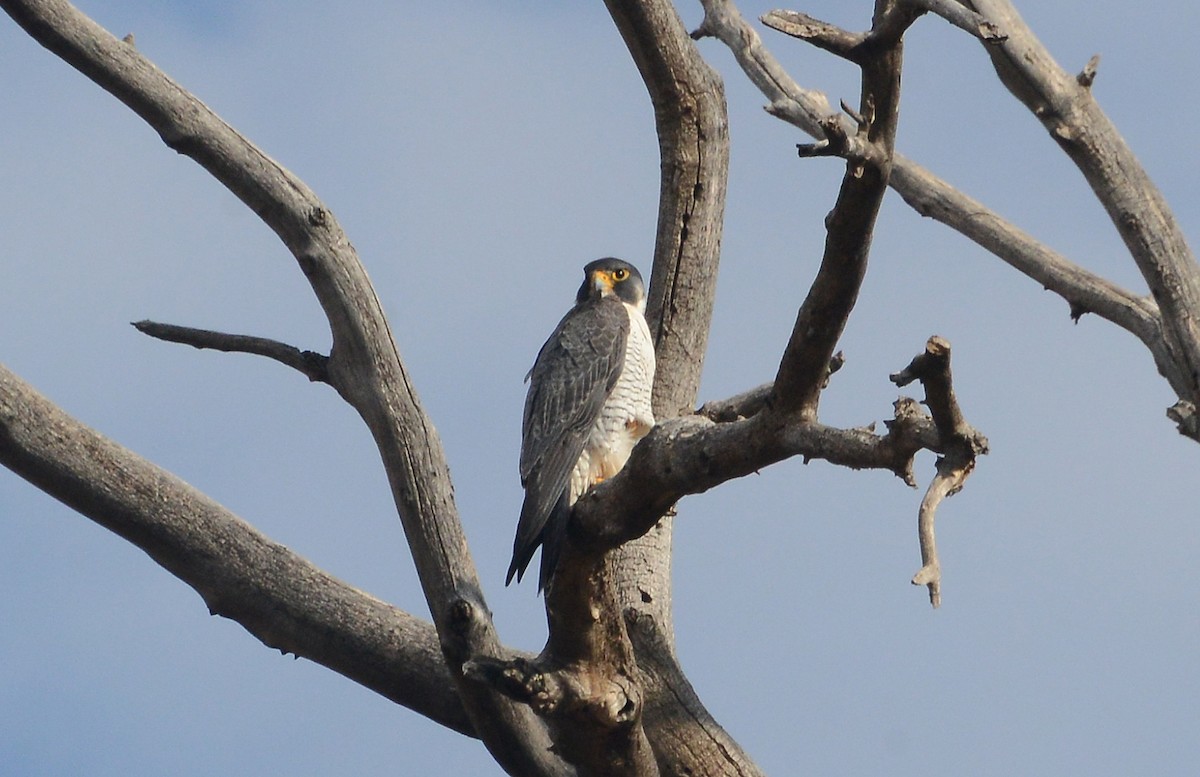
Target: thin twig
[(314, 365)]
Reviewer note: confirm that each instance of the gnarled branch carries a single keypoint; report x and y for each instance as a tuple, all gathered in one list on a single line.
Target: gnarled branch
[(961, 444)]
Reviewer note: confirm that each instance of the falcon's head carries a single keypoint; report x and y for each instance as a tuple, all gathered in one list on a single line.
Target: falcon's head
[(615, 277)]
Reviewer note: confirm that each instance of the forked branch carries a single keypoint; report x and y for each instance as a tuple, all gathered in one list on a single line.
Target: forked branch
[(1068, 110), (364, 365), (1167, 264), (850, 225)]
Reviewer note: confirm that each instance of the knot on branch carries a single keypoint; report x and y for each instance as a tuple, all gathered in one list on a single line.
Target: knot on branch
[(465, 620), (904, 430), (605, 701)]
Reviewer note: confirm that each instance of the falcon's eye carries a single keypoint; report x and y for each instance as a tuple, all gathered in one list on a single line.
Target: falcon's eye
[(620, 275)]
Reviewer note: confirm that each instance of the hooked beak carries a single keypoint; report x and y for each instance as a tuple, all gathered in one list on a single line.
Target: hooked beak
[(602, 282)]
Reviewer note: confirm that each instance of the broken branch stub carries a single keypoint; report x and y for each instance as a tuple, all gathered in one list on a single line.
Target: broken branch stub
[(959, 443)]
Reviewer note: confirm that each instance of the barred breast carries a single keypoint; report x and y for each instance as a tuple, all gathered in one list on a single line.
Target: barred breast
[(627, 415)]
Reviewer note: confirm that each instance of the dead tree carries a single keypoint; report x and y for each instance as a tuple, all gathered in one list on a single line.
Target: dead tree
[(607, 695)]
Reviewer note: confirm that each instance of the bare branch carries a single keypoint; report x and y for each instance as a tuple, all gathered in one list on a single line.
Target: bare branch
[(804, 107), (963, 18), (744, 405), (279, 597), (757, 399), (311, 364), (820, 34), (931, 196), (693, 454), (930, 573), (849, 226), (1068, 110), (961, 445), (364, 365), (1085, 291)]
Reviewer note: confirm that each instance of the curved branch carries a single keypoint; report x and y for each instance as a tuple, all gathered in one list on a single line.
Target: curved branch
[(279, 597), (961, 445), (1068, 110), (364, 365), (692, 124), (1085, 291), (693, 454)]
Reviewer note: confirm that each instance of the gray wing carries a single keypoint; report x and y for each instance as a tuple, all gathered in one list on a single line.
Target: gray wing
[(573, 376)]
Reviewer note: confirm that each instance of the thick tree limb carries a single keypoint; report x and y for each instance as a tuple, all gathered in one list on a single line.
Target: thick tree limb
[(693, 454), (586, 682), (364, 365), (279, 597), (823, 315), (734, 437), (692, 124)]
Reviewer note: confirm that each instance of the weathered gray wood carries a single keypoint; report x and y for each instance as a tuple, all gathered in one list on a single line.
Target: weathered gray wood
[(1074, 119), (1066, 107), (279, 597), (850, 226), (364, 365), (692, 124)]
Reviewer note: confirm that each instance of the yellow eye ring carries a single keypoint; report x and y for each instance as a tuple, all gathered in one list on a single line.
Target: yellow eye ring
[(620, 275)]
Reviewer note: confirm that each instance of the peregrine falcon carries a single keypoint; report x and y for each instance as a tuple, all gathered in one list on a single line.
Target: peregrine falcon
[(588, 405)]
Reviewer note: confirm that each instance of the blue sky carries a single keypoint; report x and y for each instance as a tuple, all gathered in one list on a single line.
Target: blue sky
[(478, 154)]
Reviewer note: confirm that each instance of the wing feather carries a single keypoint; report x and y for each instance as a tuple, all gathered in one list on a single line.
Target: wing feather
[(573, 376)]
